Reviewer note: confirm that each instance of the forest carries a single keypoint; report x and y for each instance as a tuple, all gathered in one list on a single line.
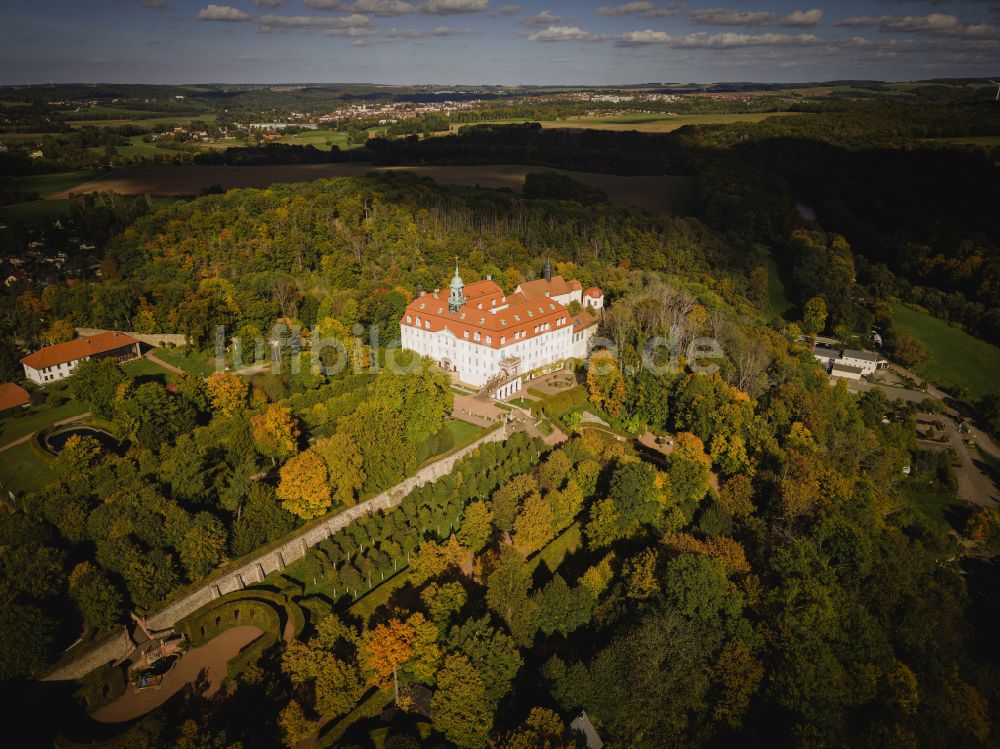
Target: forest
[(764, 578)]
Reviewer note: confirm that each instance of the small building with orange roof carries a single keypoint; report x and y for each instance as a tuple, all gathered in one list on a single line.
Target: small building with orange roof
[(57, 362)]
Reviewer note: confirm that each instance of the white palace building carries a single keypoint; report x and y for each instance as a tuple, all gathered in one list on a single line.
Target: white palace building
[(490, 339)]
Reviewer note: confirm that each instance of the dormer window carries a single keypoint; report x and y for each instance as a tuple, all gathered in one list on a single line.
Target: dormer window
[(480, 305), (467, 335), (418, 321), (427, 324), (493, 302), (475, 336), (409, 318), (503, 340), (489, 339)]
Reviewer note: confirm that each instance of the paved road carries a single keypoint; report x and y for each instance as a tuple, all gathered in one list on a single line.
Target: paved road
[(974, 484)]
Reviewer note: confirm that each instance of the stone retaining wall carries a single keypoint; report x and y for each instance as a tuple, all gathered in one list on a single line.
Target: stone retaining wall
[(150, 339), (255, 569)]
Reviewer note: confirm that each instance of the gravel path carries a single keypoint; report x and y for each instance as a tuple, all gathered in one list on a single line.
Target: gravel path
[(210, 659)]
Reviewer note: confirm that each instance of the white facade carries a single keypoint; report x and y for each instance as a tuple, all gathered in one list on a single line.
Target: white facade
[(477, 361), (488, 336), (51, 373)]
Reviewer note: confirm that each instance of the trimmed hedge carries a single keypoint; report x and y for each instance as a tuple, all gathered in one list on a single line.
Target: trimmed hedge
[(252, 607)]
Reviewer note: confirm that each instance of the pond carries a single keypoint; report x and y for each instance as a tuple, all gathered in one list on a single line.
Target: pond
[(55, 442)]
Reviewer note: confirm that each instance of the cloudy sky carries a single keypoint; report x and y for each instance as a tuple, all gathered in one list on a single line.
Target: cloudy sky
[(489, 41)]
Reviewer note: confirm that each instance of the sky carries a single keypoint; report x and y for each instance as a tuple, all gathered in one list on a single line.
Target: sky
[(494, 42)]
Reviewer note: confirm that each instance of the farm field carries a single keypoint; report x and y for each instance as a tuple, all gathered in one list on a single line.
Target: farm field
[(976, 140), (653, 193), (658, 123), (321, 139), (955, 358), (175, 119), (49, 184), (643, 122)]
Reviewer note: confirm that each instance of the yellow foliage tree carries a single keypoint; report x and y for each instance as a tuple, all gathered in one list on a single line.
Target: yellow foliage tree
[(227, 392), (304, 489)]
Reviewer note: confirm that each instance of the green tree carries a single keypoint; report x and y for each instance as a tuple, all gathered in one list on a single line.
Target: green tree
[(96, 383), (459, 707), (99, 602), (203, 545), (814, 315), (418, 391)]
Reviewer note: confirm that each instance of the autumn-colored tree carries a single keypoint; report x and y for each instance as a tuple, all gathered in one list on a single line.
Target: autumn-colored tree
[(426, 652), (304, 489), (605, 383), (431, 559), (533, 525), (227, 393), (60, 331), (344, 465), (384, 649), (508, 498), (735, 497), (543, 729), (295, 726), (640, 575), (477, 526), (736, 676), (814, 315), (688, 468), (275, 432)]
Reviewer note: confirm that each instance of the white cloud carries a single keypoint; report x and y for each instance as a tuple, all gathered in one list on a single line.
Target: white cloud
[(384, 7), (642, 38), (451, 7), (543, 20), (506, 10), (222, 13), (270, 23), (728, 39), (803, 18), (439, 31), (622, 10), (565, 34), (671, 9), (351, 31), (857, 22), (935, 24), (727, 17)]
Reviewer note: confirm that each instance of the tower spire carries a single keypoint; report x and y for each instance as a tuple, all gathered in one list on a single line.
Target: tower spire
[(456, 299)]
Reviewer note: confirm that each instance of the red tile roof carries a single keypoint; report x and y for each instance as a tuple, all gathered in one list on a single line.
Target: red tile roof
[(540, 288), (77, 349), (519, 314), (12, 395), (594, 292)]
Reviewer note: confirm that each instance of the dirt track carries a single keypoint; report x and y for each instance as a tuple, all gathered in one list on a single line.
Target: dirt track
[(210, 658), (654, 193)]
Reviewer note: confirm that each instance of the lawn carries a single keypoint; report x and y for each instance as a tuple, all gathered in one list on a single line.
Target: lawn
[(148, 371), (194, 362), (777, 298), (935, 505), (955, 358), (35, 418), (556, 550), (22, 470), (464, 432)]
